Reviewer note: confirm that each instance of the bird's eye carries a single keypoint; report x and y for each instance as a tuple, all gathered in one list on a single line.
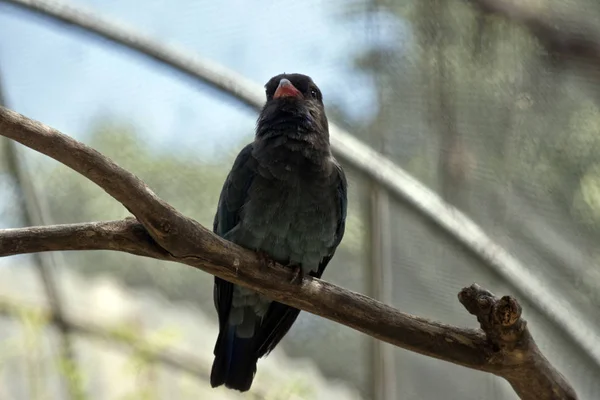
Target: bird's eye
[(314, 93)]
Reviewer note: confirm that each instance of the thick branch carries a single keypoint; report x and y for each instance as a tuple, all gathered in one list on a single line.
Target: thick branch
[(127, 235), (461, 346), (505, 347), (514, 350), (186, 241)]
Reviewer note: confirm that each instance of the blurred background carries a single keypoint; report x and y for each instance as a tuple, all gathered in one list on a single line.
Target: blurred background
[(498, 123)]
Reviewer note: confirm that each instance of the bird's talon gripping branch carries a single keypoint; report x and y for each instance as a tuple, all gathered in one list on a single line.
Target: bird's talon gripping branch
[(265, 260), (298, 274)]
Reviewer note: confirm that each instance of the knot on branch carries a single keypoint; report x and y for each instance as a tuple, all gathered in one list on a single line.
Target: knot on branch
[(500, 319)]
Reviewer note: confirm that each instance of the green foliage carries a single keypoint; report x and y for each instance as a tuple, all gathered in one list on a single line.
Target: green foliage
[(29, 345), (76, 379), (142, 362), (33, 324)]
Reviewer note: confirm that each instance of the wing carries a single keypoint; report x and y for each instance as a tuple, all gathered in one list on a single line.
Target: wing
[(280, 317), (342, 195), (232, 199)]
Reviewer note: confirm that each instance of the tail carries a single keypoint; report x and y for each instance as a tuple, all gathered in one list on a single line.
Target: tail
[(235, 361)]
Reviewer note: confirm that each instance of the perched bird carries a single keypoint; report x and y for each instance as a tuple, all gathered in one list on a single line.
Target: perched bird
[(285, 197)]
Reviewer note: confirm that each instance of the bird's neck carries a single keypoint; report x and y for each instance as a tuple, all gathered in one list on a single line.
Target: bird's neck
[(296, 149), (284, 123), (292, 130), (293, 137)]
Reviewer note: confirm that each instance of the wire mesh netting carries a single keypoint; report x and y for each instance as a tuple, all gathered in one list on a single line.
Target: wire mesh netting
[(475, 106)]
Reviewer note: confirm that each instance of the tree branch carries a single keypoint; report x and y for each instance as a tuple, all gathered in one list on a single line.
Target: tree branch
[(159, 218), (461, 346), (505, 347), (126, 235), (519, 359)]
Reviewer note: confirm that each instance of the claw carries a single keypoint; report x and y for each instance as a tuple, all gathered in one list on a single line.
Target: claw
[(298, 275), (265, 260)]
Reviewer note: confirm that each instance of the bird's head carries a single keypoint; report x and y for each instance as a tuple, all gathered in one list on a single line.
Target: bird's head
[(294, 106)]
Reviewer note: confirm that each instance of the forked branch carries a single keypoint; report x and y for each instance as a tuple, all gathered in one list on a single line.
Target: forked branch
[(503, 347)]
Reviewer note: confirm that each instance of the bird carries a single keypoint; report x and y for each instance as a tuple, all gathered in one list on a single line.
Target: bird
[(285, 198)]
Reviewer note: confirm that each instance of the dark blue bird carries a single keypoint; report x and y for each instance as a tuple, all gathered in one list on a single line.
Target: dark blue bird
[(285, 197)]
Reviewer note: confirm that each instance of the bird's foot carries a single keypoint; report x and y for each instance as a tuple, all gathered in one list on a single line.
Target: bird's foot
[(265, 260), (298, 274)]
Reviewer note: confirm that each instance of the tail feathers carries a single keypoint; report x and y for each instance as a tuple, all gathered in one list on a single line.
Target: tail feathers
[(235, 361)]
